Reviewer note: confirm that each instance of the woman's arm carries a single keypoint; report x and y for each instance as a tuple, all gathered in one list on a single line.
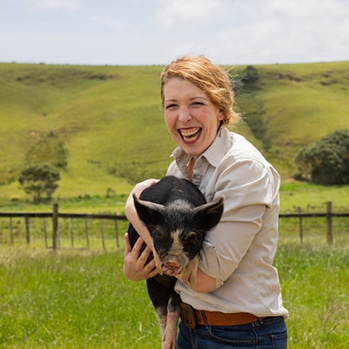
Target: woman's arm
[(202, 284), (131, 213)]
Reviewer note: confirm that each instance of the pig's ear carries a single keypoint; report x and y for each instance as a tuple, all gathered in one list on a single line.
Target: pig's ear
[(208, 215), (150, 213)]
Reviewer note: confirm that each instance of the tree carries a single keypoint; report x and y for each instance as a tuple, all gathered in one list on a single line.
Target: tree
[(250, 75), (327, 162), (38, 180)]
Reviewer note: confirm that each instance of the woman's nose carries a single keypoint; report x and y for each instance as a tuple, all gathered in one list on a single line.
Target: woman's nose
[(184, 114)]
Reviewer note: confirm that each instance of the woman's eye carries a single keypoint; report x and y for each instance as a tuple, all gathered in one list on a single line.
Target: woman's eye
[(171, 106)]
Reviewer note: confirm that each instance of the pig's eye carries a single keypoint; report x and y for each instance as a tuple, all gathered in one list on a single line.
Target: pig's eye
[(190, 237), (160, 236)]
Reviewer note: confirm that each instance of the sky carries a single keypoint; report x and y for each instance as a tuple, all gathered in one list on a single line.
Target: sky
[(154, 32)]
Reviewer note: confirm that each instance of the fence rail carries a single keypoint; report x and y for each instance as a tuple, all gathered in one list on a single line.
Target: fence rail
[(77, 230), (55, 228), (328, 215)]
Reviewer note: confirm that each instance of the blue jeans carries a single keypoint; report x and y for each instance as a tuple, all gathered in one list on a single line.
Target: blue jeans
[(268, 333)]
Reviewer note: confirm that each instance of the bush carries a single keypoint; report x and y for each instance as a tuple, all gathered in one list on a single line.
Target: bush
[(250, 75), (327, 162)]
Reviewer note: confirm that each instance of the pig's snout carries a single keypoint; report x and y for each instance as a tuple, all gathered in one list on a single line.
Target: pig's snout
[(172, 268)]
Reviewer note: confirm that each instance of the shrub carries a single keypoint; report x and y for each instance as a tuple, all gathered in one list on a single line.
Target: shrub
[(327, 162)]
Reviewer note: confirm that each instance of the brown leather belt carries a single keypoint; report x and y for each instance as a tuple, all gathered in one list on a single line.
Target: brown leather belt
[(192, 317)]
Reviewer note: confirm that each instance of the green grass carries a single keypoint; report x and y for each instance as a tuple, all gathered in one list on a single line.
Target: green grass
[(72, 300), (314, 284), (82, 300), (313, 197)]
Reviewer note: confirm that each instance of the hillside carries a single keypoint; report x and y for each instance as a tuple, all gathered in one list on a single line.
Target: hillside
[(111, 119), (302, 104)]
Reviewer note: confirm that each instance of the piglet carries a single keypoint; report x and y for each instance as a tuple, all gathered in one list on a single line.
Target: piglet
[(178, 217)]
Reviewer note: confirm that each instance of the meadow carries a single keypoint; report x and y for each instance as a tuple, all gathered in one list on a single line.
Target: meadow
[(111, 121), (82, 300)]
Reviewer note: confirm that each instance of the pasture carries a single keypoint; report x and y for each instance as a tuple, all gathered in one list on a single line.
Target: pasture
[(82, 300)]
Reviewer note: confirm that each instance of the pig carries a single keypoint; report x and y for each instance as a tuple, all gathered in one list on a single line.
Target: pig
[(178, 217)]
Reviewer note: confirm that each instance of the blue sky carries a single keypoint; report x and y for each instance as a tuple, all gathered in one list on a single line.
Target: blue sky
[(147, 32)]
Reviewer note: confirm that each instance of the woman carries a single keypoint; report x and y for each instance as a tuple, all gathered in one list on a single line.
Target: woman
[(236, 296)]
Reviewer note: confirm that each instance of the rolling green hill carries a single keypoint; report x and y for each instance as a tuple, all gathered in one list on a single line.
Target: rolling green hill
[(111, 120)]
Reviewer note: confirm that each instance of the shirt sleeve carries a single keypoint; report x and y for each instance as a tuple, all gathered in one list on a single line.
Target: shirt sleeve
[(248, 189)]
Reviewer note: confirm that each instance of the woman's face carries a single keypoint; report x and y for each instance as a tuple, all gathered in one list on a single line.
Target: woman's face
[(191, 118)]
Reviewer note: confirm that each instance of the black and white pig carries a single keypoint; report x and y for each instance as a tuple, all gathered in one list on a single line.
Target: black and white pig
[(178, 217)]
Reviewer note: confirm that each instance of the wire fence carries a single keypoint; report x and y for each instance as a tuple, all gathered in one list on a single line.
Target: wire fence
[(56, 230)]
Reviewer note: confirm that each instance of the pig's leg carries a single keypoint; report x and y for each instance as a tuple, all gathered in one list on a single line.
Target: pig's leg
[(170, 334), (160, 296)]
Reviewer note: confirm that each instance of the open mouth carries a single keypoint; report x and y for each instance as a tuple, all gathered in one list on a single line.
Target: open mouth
[(190, 135)]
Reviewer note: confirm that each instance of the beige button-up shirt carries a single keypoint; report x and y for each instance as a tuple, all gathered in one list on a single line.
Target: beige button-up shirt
[(239, 252)]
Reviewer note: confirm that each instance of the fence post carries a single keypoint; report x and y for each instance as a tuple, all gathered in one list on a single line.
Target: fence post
[(71, 232), (11, 231), (329, 223), (45, 231), (116, 231), (55, 226), (102, 233), (86, 234), (27, 229), (300, 224)]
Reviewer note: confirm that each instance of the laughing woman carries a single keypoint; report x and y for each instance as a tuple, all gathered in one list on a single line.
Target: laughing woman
[(236, 296)]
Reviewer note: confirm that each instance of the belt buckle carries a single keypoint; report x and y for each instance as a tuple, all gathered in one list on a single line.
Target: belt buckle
[(188, 315)]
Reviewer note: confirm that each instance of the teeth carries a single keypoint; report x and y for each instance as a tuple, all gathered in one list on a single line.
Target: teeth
[(189, 133)]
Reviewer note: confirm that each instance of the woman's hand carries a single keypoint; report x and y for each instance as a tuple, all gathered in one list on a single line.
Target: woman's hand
[(136, 267)]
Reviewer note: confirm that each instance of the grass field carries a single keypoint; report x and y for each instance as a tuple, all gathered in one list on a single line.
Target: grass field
[(82, 300), (111, 121)]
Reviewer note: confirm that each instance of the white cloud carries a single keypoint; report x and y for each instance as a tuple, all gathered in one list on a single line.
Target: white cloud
[(46, 5), (156, 31), (111, 23), (176, 12), (283, 31)]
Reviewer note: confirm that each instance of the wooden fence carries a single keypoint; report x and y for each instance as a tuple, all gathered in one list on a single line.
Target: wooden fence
[(52, 231), (329, 215), (54, 226)]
